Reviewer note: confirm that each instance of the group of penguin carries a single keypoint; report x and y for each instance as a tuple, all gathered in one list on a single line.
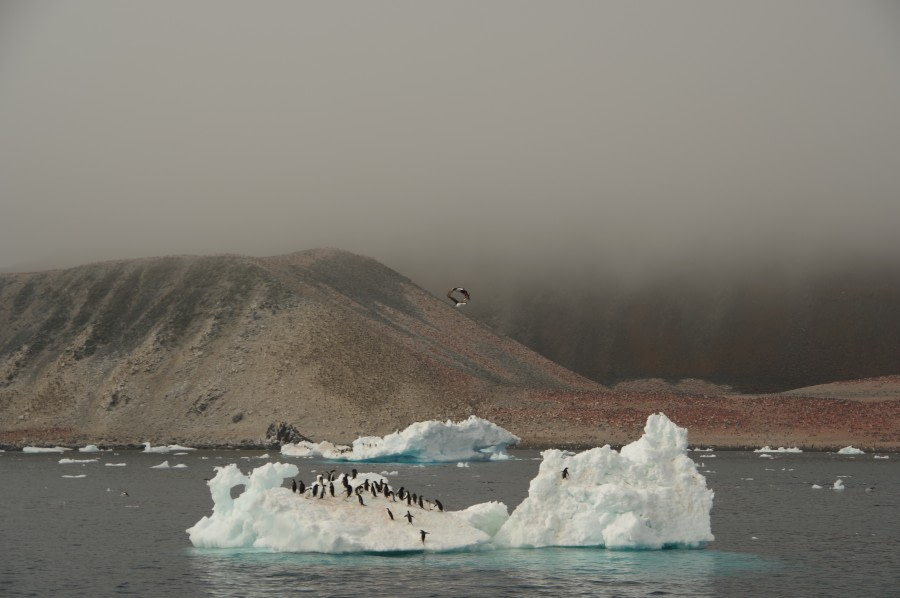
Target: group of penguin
[(325, 484)]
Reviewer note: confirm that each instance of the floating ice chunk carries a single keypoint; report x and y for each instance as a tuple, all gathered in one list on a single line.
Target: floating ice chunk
[(179, 466), (838, 485), (267, 515), (70, 461), (163, 465), (849, 450), (43, 449), (115, 464), (91, 448), (766, 456), (462, 464), (881, 457), (649, 495), (74, 477), (473, 439), (148, 448), (780, 449), (816, 487)]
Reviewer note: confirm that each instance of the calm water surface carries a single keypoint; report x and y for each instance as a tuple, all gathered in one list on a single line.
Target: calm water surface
[(775, 535)]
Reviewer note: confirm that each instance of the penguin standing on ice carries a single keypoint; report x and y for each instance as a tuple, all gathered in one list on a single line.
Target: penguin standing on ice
[(331, 488), (409, 517), (294, 486), (359, 496), (391, 515), (423, 533), (439, 505), (301, 487), (565, 473)]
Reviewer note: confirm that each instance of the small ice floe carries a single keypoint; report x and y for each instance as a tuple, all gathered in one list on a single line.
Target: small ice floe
[(766, 456), (72, 477), (71, 461), (388, 473), (179, 466), (266, 456), (462, 464), (707, 456), (700, 450), (849, 450), (163, 465), (881, 457), (838, 485), (816, 487), (44, 449), (91, 448), (780, 449), (148, 448), (115, 464)]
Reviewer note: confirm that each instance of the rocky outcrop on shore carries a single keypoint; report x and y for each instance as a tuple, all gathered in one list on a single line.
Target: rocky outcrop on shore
[(328, 345)]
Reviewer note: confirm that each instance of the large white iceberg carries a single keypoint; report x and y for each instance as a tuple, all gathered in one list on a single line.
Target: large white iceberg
[(648, 496), (473, 439)]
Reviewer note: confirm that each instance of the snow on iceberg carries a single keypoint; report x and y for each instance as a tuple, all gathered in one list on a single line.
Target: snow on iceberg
[(267, 515), (649, 495), (474, 439), (849, 450)]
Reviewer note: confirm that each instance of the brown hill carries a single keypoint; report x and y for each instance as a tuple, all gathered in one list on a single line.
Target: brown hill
[(216, 350)]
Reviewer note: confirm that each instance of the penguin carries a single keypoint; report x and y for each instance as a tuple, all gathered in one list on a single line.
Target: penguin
[(366, 484), (331, 488), (349, 491), (391, 515), (353, 471), (301, 487), (565, 473), (421, 503), (315, 488), (294, 486), (359, 496), (409, 517), (374, 493), (400, 493), (322, 493), (439, 505), (408, 499), (423, 533)]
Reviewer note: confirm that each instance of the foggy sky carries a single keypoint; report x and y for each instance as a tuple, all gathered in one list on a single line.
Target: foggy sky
[(450, 138)]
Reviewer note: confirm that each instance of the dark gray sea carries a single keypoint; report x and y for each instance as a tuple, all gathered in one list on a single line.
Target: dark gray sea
[(775, 534)]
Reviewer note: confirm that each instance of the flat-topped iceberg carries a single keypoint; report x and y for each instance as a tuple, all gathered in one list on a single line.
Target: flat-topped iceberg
[(850, 450), (473, 439), (649, 495)]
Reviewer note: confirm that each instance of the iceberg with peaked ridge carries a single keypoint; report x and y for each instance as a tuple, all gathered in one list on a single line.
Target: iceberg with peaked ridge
[(649, 495), (473, 439)]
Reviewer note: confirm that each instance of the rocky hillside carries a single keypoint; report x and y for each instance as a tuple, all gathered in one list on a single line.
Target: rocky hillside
[(216, 349), (223, 350)]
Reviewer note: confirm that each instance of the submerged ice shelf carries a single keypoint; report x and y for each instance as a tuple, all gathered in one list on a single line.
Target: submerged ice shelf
[(649, 495)]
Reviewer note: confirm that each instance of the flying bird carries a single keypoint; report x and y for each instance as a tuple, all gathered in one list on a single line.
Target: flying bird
[(458, 295)]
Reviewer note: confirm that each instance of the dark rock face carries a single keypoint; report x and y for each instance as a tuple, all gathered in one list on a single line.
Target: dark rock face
[(283, 433), (758, 331)]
